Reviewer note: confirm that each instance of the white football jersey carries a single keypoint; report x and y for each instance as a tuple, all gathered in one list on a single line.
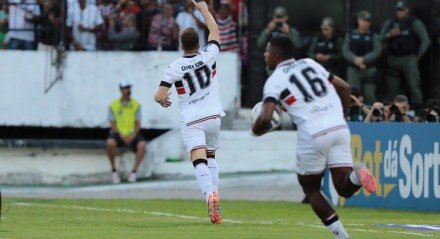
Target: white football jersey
[(305, 91), (195, 79)]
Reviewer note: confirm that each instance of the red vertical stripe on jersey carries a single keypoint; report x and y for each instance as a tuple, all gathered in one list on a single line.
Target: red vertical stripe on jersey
[(290, 100), (180, 90), (214, 72)]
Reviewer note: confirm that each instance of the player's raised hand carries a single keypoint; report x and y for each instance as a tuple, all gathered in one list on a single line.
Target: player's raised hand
[(200, 4)]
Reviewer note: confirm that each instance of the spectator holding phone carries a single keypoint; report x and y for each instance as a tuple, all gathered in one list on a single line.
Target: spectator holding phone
[(279, 26)]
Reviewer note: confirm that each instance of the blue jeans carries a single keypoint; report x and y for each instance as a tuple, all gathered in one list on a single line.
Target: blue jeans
[(17, 44)]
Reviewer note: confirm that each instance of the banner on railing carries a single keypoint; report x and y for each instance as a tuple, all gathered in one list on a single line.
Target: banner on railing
[(405, 160)]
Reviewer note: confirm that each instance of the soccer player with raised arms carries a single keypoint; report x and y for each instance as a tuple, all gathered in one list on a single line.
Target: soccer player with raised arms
[(194, 76), (316, 100)]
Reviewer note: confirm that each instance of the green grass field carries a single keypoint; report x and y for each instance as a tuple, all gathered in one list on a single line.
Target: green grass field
[(29, 218)]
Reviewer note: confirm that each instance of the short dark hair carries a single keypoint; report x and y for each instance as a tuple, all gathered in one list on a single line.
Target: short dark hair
[(284, 46), (189, 39), (432, 103), (401, 99)]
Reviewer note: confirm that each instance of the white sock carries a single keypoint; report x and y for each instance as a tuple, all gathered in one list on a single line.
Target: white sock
[(213, 168), (354, 179), (204, 179), (338, 230)]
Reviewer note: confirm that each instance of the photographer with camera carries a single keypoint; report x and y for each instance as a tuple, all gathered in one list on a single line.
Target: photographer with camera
[(278, 26), (398, 110), (431, 112), (378, 113), (358, 110)]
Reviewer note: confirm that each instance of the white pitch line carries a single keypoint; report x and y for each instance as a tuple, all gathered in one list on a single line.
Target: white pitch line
[(413, 233), (371, 230), (268, 222), (122, 210)]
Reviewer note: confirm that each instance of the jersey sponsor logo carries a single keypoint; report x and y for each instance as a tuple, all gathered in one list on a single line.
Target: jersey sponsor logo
[(317, 109), (198, 99)]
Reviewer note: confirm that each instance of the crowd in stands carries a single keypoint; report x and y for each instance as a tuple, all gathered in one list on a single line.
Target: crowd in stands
[(154, 25), (111, 24)]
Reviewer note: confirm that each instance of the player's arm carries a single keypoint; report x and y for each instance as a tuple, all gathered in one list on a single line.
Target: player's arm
[(214, 33), (344, 91), (262, 124), (162, 95)]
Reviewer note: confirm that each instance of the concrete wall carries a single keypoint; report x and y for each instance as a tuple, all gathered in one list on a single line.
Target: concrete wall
[(90, 83), (166, 157), (238, 152)]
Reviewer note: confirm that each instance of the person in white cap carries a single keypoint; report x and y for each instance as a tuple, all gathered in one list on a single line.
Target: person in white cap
[(124, 116)]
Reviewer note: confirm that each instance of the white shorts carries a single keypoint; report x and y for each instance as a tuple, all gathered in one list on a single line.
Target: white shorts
[(331, 149), (203, 134)]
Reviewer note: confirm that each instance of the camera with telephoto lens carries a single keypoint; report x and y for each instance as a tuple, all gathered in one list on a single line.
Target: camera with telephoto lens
[(377, 112), (431, 118), (394, 110), (426, 116)]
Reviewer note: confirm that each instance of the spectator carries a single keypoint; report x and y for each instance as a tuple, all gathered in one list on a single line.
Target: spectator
[(361, 49), (125, 120), (278, 26), (149, 8), (50, 21), (125, 7), (326, 47), (3, 22), (358, 110), (106, 7), (403, 34), (194, 19), (178, 5), (84, 22), (125, 39), (163, 30), (70, 3), (228, 29), (21, 20), (433, 104)]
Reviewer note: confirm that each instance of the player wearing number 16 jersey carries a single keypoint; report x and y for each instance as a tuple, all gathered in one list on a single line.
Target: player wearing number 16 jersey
[(195, 77), (309, 94)]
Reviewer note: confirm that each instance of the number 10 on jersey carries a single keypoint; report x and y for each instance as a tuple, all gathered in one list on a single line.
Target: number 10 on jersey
[(203, 75)]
